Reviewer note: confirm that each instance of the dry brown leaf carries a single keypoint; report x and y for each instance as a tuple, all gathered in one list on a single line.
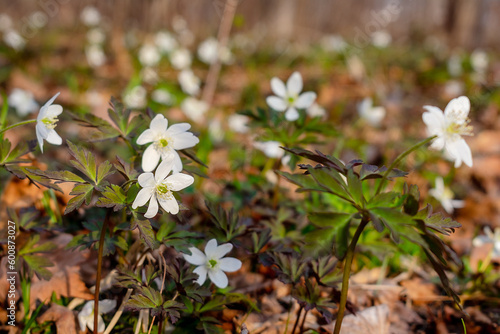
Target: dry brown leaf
[(373, 320), (63, 318), (66, 280), (419, 291)]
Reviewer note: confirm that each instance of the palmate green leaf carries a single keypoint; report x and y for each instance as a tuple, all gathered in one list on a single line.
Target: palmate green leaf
[(39, 265), (126, 169), (104, 130), (389, 200), (319, 157), (374, 172), (146, 232), (35, 176), (436, 222), (82, 193), (334, 227), (411, 203), (305, 182), (355, 188), (121, 117), (112, 197), (331, 181), (393, 219), (10, 157)]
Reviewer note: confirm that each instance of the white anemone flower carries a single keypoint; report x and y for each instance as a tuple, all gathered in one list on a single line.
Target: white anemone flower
[(149, 55), (208, 50), (373, 115), (180, 59), (90, 16), (158, 188), (270, 148), (86, 315), (165, 41), (95, 55), (238, 123), (445, 196), (189, 82), (213, 263), (13, 39), (47, 121), (194, 109), (287, 97), (449, 127), (23, 101), (162, 96), (315, 110), (136, 97), (490, 238), (381, 39), (164, 142)]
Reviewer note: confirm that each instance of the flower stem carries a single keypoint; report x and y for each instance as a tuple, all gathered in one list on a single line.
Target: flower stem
[(99, 270), (347, 271), (398, 160), (297, 319), (17, 124)]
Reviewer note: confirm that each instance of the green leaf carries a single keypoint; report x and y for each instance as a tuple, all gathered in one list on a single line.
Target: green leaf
[(33, 174), (319, 157), (112, 197), (39, 265), (306, 182), (437, 222), (331, 181), (355, 188), (393, 219), (146, 232), (329, 219), (335, 225), (82, 192), (387, 199), (84, 161), (63, 176), (411, 203), (104, 129)]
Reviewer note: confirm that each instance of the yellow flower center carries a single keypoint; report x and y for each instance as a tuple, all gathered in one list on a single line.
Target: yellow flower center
[(212, 263), (163, 144), (50, 122), (163, 191)]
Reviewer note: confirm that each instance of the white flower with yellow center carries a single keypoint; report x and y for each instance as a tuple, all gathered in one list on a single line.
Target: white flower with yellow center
[(449, 127), (86, 315), (445, 196), (288, 98), (159, 188), (46, 123), (165, 141), (213, 263)]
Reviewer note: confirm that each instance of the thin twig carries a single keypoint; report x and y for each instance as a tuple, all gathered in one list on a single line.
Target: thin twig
[(297, 319), (223, 37), (99, 270), (118, 313)]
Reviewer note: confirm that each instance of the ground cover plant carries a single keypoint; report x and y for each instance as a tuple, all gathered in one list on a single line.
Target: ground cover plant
[(326, 190)]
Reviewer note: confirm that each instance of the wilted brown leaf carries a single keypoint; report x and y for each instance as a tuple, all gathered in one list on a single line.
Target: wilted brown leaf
[(63, 318)]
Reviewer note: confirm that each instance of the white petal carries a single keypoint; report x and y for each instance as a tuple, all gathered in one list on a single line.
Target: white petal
[(481, 240), (438, 143), (177, 163), (292, 114), (434, 117), (42, 129), (82, 320), (49, 102), (465, 152), (87, 309), (305, 100), (185, 140), (146, 180), (294, 84), (54, 110), (276, 103), (218, 278), (147, 136), (100, 324), (460, 104), (178, 128), (159, 123), (229, 264), (197, 257), (39, 136), (150, 159), (201, 271), (219, 251), (107, 305), (278, 87), (153, 207), (179, 181), (142, 197), (170, 205), (210, 247), (53, 138), (165, 167), (447, 206)]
